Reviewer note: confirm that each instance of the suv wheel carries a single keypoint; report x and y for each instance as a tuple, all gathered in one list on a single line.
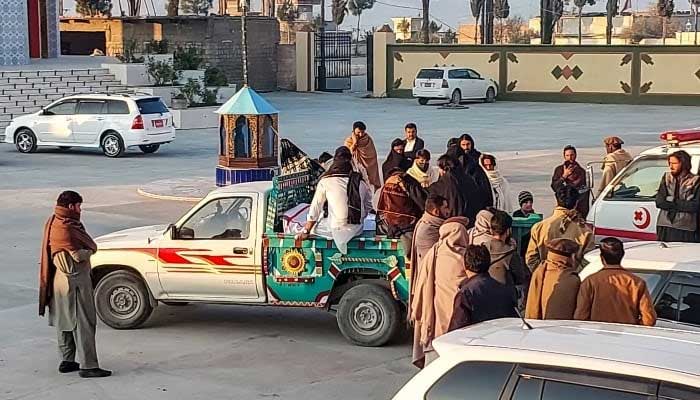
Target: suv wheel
[(25, 141), (122, 300), (368, 315), (422, 101), (490, 96), (456, 97), (149, 148), (112, 145)]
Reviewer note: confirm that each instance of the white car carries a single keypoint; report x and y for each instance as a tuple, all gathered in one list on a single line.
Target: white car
[(626, 208), (672, 275), (454, 84), (560, 360), (112, 122)]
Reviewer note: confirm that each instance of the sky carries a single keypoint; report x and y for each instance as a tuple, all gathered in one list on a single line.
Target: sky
[(450, 13)]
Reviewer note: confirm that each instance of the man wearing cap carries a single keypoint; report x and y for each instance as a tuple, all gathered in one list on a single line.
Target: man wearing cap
[(525, 201), (615, 160), (555, 284)]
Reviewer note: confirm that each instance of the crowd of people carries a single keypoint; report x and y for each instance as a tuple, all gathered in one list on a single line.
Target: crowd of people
[(455, 224)]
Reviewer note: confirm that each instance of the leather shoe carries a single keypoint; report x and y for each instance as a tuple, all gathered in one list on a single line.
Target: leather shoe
[(94, 373), (68, 366)]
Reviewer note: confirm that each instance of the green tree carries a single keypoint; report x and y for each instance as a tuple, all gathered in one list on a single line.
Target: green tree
[(339, 10), (501, 10), (94, 8), (288, 13), (664, 9), (356, 8), (173, 8), (404, 26), (434, 28), (580, 4), (450, 36), (196, 7)]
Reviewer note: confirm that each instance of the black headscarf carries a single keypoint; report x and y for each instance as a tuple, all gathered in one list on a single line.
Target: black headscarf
[(458, 188), (395, 160), (470, 164), (342, 163)]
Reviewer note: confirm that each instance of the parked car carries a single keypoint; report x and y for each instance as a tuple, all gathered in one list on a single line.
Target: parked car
[(108, 121), (454, 84), (560, 360), (626, 208), (672, 274)]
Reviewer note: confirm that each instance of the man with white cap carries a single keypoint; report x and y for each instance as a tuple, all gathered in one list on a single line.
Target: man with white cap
[(615, 160)]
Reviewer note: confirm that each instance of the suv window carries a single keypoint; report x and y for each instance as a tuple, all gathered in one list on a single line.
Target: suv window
[(478, 380), (117, 107), (672, 391), (560, 390), (457, 74), (90, 107), (690, 305), (640, 181), (667, 305), (151, 106), (63, 108), (430, 74), (220, 219), (473, 74), (651, 278)]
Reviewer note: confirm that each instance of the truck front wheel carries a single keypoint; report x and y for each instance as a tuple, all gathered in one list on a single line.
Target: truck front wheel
[(122, 300), (368, 315)]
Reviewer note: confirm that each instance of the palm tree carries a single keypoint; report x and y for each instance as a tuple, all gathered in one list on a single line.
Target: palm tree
[(356, 8), (434, 29), (501, 10), (288, 13), (580, 4), (404, 26), (339, 10), (476, 6), (664, 9), (425, 26)]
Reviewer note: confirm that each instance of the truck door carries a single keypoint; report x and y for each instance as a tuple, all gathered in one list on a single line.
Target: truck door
[(212, 253), (627, 207)]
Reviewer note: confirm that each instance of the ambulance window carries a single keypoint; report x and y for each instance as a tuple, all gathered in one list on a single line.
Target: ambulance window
[(640, 181)]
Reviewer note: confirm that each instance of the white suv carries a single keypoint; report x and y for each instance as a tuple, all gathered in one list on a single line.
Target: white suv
[(454, 84), (112, 122)]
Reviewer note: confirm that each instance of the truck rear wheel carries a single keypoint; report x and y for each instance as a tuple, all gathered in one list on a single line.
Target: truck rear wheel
[(368, 315), (122, 300)]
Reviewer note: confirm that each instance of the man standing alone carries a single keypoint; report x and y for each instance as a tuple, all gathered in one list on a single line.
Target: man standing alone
[(614, 294), (615, 160), (572, 174), (412, 143), (678, 200), (66, 287)]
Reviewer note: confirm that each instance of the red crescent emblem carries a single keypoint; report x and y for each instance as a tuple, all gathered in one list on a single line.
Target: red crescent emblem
[(642, 218)]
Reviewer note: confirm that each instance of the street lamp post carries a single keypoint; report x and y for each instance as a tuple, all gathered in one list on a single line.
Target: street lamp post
[(244, 45)]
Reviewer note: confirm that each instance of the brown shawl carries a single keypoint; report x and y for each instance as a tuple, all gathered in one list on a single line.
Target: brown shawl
[(365, 153), (62, 232), (553, 289)]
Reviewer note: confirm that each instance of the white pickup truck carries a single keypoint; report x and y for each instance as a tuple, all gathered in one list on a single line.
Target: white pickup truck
[(228, 249)]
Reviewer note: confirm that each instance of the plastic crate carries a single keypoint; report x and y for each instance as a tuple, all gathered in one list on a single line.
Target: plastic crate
[(521, 229)]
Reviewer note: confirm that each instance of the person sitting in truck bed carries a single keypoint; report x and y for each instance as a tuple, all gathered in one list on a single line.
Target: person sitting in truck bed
[(349, 200)]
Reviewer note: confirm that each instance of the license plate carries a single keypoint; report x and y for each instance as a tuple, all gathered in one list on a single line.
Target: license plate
[(427, 85), (158, 123)]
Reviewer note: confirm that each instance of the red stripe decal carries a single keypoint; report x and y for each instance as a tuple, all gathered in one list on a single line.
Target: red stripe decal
[(620, 233)]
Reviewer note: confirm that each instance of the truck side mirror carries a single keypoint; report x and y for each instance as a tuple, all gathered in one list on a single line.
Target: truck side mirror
[(184, 233)]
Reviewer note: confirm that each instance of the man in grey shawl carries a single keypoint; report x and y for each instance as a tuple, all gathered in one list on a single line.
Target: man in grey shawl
[(426, 233)]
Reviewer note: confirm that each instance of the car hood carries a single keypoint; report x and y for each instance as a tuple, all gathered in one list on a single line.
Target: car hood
[(141, 236)]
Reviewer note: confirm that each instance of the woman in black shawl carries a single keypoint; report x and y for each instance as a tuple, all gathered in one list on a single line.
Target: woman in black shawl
[(395, 159), (468, 156), (455, 186)]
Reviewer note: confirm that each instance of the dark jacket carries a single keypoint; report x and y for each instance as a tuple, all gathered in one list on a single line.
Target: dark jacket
[(578, 181), (455, 186), (482, 197), (394, 160), (482, 298), (401, 204), (678, 200), (411, 155)]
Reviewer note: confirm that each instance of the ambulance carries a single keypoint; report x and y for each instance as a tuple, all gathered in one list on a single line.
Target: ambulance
[(626, 208)]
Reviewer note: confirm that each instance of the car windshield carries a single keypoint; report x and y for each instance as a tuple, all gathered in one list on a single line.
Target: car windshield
[(151, 106), (430, 74), (651, 278)]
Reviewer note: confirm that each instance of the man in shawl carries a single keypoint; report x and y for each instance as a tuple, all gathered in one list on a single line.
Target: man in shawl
[(499, 185), (349, 200), (364, 154), (395, 159), (401, 204), (412, 143), (678, 200), (481, 298), (439, 276), (65, 286), (457, 187), (426, 234), (554, 285), (615, 160), (564, 223), (468, 156), (572, 174), (421, 171)]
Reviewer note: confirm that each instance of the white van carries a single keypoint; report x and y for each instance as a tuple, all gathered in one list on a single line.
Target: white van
[(626, 208)]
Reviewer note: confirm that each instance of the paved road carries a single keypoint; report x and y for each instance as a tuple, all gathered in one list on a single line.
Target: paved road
[(217, 352)]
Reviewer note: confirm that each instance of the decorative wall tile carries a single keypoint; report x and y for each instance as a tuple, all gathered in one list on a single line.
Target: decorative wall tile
[(52, 30), (14, 36)]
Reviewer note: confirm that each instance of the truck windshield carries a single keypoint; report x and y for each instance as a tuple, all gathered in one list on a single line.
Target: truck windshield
[(430, 74)]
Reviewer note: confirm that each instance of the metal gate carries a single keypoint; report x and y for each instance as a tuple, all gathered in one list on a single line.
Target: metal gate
[(333, 60)]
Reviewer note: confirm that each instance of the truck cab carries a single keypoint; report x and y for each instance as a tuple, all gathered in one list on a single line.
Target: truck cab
[(626, 208)]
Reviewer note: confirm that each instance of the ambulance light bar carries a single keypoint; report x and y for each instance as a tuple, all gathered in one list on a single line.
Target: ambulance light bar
[(680, 136)]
